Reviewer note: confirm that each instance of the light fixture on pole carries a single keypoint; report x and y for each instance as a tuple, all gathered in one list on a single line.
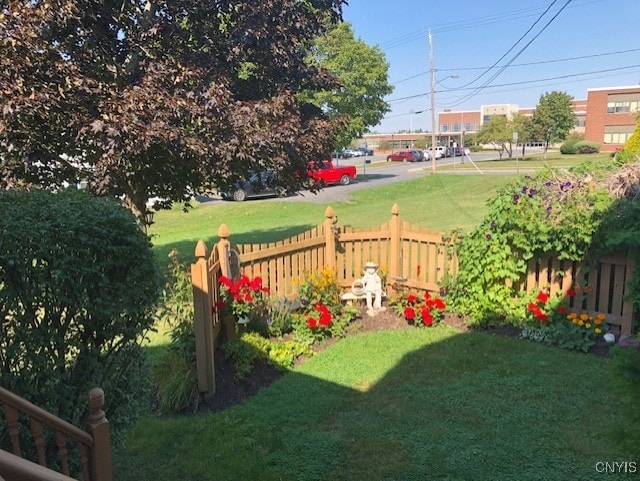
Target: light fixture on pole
[(433, 104), (148, 218)]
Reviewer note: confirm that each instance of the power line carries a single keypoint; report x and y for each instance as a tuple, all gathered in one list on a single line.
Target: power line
[(502, 69), (487, 20), (528, 64), (518, 83)]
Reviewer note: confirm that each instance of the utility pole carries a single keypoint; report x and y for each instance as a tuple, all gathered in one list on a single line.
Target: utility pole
[(433, 107)]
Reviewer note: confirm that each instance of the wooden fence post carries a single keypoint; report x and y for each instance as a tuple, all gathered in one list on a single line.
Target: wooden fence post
[(98, 427), (224, 255), (394, 242), (330, 238), (203, 322)]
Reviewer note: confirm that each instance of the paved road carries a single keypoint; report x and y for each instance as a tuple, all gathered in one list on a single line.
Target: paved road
[(378, 172)]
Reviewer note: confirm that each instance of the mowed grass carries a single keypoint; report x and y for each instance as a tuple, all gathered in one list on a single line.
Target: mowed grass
[(399, 405), (441, 203)]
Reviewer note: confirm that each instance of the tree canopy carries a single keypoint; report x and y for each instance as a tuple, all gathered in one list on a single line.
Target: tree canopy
[(553, 117), (149, 98), (498, 131), (363, 74)]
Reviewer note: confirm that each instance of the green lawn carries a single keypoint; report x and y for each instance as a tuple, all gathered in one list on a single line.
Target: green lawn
[(399, 405), (441, 203)]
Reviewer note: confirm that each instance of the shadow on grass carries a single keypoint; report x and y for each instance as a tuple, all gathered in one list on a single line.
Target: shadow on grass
[(396, 405)]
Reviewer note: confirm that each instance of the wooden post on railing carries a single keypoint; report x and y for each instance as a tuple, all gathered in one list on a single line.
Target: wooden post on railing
[(330, 238), (394, 243), (98, 427), (203, 323), (224, 254)]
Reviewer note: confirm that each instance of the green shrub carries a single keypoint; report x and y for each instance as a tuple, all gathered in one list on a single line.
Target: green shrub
[(569, 147), (584, 147), (633, 142), (476, 148), (78, 288), (551, 212)]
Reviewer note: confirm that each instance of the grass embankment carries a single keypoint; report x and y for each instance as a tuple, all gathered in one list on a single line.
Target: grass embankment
[(399, 405)]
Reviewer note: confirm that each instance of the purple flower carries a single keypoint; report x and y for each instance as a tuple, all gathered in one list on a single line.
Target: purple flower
[(567, 183), (303, 302), (547, 183), (516, 198), (532, 192), (549, 208), (488, 236), (524, 189), (493, 224)]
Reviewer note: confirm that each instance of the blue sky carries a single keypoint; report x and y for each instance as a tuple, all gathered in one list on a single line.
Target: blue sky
[(471, 35)]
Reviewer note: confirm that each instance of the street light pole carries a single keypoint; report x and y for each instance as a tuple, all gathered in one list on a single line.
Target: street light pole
[(433, 108)]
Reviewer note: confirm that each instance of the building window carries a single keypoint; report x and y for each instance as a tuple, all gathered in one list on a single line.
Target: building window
[(622, 106), (616, 137), (456, 127), (580, 122), (468, 126), (444, 128)]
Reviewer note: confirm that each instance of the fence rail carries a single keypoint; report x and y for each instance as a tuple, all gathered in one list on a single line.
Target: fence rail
[(93, 446), (403, 251)]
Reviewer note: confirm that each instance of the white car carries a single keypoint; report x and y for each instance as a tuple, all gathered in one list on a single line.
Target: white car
[(440, 152), (355, 152)]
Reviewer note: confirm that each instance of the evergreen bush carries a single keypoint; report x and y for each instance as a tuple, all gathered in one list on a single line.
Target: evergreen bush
[(78, 288), (584, 147)]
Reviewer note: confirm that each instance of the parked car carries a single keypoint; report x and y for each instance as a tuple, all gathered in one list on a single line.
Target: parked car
[(455, 151), (328, 173), (403, 156), (365, 151), (257, 185), (419, 155), (341, 154), (355, 152)]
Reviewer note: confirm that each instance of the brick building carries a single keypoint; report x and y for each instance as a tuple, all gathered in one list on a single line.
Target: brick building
[(607, 116)]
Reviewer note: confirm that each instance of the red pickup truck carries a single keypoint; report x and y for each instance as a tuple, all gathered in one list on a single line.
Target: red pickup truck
[(324, 171)]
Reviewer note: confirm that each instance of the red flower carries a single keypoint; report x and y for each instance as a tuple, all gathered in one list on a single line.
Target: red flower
[(248, 298), (532, 307), (562, 310), (431, 302), (256, 283), (427, 319), (325, 319), (440, 304), (571, 292), (409, 313), (225, 281), (427, 296), (412, 299), (542, 297), (243, 281), (542, 316), (220, 304), (312, 323)]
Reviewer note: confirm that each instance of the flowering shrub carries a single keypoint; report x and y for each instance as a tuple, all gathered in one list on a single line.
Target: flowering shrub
[(247, 301), (420, 310), (552, 211), (550, 322)]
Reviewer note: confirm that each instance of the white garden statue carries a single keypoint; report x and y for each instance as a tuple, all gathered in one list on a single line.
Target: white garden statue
[(372, 284)]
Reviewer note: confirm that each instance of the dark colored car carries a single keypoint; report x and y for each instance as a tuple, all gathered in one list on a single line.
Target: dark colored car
[(403, 156), (257, 185), (455, 151), (365, 151)]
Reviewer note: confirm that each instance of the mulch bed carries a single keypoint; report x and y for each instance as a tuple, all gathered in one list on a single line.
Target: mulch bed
[(230, 391)]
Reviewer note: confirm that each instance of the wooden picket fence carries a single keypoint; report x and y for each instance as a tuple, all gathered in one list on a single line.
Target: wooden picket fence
[(409, 254)]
